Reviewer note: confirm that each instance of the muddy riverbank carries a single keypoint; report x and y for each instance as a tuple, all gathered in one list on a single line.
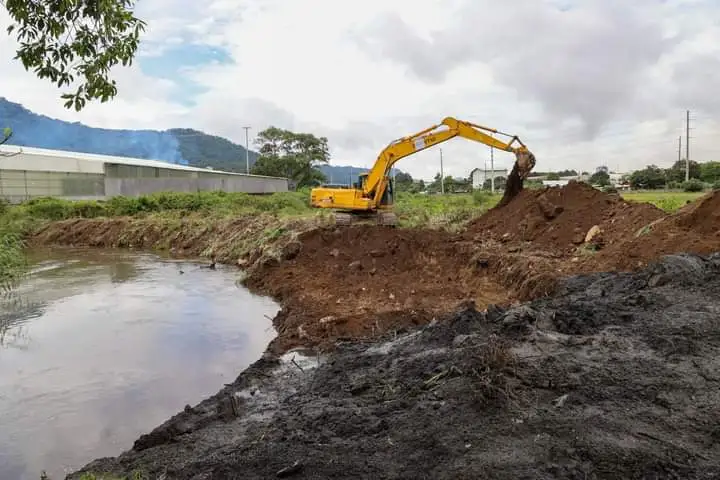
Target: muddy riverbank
[(600, 376), (611, 378), (363, 282)]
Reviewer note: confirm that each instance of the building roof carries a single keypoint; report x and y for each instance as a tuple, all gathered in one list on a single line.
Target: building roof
[(11, 150), (488, 170)]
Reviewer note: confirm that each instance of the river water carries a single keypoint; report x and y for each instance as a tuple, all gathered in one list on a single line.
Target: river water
[(98, 347)]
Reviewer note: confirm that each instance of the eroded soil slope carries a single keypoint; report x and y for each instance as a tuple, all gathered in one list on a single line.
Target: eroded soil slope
[(363, 281), (615, 377)]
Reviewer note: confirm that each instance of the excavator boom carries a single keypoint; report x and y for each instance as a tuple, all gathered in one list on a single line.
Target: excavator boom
[(371, 193)]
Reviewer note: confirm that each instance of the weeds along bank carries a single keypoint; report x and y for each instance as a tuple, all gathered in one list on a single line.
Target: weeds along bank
[(231, 226)]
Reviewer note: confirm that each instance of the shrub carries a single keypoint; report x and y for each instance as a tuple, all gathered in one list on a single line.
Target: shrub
[(88, 209), (49, 208), (716, 185), (480, 197), (693, 185)]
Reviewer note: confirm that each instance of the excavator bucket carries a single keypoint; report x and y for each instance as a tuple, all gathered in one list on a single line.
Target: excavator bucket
[(524, 163)]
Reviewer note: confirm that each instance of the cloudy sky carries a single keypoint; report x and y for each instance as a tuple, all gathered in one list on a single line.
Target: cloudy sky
[(582, 82)]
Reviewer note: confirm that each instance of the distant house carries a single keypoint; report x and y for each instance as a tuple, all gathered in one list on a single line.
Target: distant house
[(480, 175)]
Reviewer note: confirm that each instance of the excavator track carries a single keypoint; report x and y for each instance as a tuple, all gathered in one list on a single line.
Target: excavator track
[(386, 219), (343, 219)]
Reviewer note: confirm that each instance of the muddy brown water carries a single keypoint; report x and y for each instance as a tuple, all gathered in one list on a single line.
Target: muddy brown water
[(99, 347)]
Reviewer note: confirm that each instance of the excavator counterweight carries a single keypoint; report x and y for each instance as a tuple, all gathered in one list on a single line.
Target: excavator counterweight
[(372, 196)]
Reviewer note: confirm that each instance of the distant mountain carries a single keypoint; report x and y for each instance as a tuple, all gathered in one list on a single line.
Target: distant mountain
[(183, 146)]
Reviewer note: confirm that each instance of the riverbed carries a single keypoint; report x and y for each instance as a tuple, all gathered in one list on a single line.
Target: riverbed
[(99, 347)]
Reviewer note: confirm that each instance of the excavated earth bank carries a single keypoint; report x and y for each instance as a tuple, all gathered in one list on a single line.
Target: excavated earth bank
[(607, 375), (616, 376)]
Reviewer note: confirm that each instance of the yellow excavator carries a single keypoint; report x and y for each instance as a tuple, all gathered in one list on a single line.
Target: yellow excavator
[(372, 195)]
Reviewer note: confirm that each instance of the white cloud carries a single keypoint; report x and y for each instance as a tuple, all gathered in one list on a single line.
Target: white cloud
[(598, 82)]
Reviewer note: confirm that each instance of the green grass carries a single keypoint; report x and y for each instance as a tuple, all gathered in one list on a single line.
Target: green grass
[(445, 211), (666, 200)]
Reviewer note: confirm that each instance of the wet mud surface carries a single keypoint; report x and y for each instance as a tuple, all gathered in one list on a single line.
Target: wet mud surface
[(615, 376)]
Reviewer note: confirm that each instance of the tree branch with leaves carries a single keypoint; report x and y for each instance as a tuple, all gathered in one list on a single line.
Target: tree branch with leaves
[(6, 134), (75, 42)]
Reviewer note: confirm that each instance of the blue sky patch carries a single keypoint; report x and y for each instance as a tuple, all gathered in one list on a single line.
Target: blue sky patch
[(174, 60)]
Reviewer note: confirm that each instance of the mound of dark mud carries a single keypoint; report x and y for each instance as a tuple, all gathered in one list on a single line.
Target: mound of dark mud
[(363, 281), (615, 377), (559, 218)]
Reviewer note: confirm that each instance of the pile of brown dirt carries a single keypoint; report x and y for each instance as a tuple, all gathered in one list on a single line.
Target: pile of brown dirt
[(693, 229), (362, 282), (559, 218), (701, 216)]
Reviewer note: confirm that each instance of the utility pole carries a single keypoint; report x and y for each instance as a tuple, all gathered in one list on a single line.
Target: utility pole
[(679, 149), (492, 171), (484, 177), (247, 151), (687, 145), (442, 176)]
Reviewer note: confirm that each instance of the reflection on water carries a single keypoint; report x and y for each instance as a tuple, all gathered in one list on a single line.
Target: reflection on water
[(99, 347)]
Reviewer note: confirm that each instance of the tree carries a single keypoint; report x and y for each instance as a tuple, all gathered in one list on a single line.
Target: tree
[(600, 177), (434, 186), (651, 177), (567, 173), (676, 173), (292, 155), (710, 172), (553, 176), (76, 42), (403, 182)]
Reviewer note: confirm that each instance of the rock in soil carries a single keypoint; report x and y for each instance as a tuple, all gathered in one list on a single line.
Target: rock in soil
[(616, 376)]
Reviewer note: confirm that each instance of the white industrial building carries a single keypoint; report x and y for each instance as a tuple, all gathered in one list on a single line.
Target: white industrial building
[(480, 175), (27, 172)]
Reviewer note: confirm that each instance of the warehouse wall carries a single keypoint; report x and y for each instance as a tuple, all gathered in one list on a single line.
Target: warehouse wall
[(139, 186), (39, 173), (19, 185)]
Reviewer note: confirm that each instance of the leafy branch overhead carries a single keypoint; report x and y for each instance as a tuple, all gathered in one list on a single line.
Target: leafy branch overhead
[(75, 42), (5, 135)]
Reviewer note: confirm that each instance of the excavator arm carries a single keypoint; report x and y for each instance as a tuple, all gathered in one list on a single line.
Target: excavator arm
[(369, 195), (376, 182)]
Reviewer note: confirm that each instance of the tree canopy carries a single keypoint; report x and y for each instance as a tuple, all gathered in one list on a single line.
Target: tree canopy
[(75, 43), (600, 177), (676, 173), (651, 177), (710, 172), (295, 156)]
